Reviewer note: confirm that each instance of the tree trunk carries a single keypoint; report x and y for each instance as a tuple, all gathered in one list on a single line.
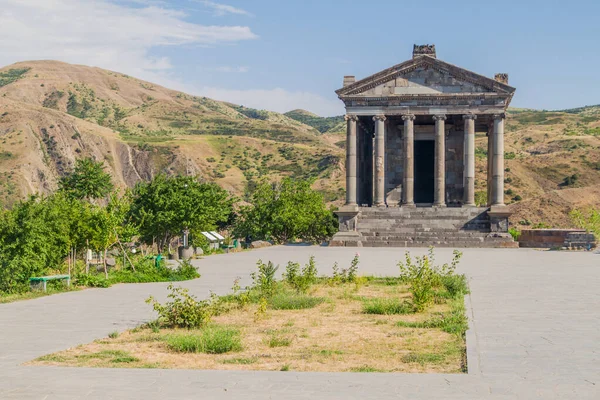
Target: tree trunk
[(104, 260), (87, 261)]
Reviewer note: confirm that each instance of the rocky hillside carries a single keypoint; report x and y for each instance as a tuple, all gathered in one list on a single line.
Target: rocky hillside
[(52, 113)]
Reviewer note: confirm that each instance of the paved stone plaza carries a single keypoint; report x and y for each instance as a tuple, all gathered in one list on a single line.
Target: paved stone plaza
[(535, 334)]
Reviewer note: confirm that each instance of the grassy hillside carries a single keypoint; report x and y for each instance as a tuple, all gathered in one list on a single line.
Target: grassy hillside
[(52, 113)]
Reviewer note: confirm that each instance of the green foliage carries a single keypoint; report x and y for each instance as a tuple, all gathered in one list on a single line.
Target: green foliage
[(113, 335), (35, 238), (264, 279), (322, 124), (286, 211), (423, 276), (165, 206), (480, 198), (10, 76), (587, 219), (455, 321), (387, 306), (515, 233), (184, 310), (570, 180), (509, 155), (348, 275), (481, 153), (301, 281), (212, 339), (87, 181), (293, 301)]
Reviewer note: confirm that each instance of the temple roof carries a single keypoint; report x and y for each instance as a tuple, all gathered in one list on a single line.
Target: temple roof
[(425, 76)]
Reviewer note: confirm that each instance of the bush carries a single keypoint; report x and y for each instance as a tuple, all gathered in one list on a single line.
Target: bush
[(211, 340), (346, 275), (286, 211), (423, 276), (387, 307), (293, 301), (301, 280), (184, 310), (264, 279), (515, 233)]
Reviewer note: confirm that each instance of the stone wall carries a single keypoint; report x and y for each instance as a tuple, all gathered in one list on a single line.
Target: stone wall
[(553, 238)]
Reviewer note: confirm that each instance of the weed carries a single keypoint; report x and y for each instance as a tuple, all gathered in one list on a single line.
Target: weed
[(454, 322), (285, 367), (422, 358), (184, 310), (113, 335), (264, 279), (261, 310), (278, 339)]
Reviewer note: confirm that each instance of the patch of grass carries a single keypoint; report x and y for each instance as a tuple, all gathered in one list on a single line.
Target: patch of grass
[(423, 358), (293, 301), (239, 361), (329, 353), (285, 367), (52, 358), (454, 322), (124, 359), (365, 368), (113, 335), (211, 340), (278, 340), (389, 306)]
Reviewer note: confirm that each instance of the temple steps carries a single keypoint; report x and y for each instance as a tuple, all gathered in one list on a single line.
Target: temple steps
[(424, 227)]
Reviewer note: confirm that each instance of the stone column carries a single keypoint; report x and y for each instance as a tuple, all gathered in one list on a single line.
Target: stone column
[(409, 162), (351, 163), (469, 160), (379, 160), (439, 194), (498, 161), (490, 156)]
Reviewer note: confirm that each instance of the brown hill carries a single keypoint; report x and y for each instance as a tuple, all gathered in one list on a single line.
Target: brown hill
[(52, 113)]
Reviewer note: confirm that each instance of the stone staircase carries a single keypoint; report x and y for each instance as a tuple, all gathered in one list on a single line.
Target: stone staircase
[(428, 226)]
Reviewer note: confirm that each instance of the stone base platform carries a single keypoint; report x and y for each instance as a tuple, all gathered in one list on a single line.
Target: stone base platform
[(423, 227)]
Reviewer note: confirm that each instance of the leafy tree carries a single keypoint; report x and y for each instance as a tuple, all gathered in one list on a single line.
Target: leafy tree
[(285, 211), (36, 236), (165, 206), (87, 181)]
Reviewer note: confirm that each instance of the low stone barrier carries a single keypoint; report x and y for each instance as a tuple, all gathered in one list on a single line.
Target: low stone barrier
[(556, 238)]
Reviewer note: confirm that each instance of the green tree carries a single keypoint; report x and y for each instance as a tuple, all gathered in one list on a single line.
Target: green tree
[(165, 206), (285, 211), (87, 181), (36, 236)]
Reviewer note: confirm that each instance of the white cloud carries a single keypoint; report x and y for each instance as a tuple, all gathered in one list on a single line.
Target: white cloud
[(103, 34), (278, 99), (223, 9)]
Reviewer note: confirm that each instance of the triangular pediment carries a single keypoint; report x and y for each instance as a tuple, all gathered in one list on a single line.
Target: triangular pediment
[(424, 75)]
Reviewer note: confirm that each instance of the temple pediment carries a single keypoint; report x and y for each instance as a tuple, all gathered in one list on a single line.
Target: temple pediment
[(424, 75)]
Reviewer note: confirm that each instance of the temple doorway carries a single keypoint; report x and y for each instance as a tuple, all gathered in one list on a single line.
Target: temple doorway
[(424, 171)]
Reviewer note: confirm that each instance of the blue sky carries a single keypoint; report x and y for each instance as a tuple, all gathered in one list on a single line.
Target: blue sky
[(285, 54)]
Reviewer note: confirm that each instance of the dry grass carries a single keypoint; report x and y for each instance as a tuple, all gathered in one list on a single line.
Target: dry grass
[(333, 336)]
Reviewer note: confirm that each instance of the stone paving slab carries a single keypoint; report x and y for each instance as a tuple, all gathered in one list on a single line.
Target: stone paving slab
[(535, 332)]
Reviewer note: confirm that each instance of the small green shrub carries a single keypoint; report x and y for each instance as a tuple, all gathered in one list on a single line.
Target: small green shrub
[(346, 275), (387, 306), (184, 310), (264, 279), (211, 340), (422, 276), (113, 335), (301, 281), (91, 280), (455, 285), (293, 301), (515, 233)]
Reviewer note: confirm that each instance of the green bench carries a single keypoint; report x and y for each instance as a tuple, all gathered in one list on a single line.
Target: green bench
[(44, 279)]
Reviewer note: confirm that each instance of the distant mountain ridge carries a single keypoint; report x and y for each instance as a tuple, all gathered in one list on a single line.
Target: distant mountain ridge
[(52, 113)]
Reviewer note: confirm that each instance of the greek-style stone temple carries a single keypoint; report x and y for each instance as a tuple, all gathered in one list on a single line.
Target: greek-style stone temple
[(410, 156)]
